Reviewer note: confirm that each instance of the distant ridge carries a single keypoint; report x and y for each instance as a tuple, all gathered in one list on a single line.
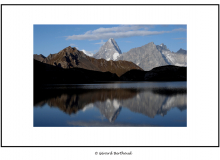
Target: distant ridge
[(147, 57)]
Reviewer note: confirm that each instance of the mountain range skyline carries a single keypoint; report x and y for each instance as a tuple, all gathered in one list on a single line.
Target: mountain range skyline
[(180, 50), (147, 56), (49, 39)]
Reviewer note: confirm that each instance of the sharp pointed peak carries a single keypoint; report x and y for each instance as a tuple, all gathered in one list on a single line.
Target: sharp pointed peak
[(111, 40), (182, 51)]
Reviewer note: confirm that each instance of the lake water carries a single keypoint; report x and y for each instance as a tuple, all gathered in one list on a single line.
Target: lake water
[(140, 104)]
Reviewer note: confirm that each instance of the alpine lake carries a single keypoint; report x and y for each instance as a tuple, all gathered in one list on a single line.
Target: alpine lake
[(113, 104)]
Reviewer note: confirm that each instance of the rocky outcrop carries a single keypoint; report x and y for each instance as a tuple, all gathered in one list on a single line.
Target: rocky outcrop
[(39, 57)]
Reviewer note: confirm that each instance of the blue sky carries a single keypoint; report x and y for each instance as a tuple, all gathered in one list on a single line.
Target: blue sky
[(50, 39)]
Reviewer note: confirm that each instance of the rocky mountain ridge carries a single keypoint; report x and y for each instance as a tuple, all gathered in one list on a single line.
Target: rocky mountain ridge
[(39, 57), (178, 59), (147, 57), (150, 56), (73, 58)]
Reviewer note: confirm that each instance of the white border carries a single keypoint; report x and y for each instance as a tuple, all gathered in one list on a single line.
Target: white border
[(17, 76)]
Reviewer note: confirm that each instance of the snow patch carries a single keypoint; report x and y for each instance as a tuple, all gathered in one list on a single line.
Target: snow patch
[(108, 101), (116, 104), (138, 96), (115, 56), (88, 106), (169, 57), (87, 53), (181, 65)]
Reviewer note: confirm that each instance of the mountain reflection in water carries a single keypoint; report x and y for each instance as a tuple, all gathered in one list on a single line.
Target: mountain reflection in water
[(110, 101)]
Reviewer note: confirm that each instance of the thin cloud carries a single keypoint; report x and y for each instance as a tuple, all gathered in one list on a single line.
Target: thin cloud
[(119, 32), (117, 29), (73, 45), (180, 38), (114, 35), (179, 29), (101, 43)]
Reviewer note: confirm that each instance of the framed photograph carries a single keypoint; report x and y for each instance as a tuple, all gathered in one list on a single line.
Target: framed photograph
[(110, 76)]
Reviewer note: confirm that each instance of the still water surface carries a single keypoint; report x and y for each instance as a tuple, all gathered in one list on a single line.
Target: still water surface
[(141, 104)]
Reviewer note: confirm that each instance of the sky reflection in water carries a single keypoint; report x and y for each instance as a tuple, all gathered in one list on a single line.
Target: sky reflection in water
[(112, 104)]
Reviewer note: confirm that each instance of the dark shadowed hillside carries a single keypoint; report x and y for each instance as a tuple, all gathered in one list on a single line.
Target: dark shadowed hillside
[(163, 73), (49, 74)]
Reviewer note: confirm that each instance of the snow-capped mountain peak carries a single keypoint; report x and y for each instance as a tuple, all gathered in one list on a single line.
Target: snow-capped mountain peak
[(109, 51), (150, 56), (115, 45), (110, 40)]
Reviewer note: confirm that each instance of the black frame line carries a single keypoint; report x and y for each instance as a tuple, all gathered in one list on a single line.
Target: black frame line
[(112, 5)]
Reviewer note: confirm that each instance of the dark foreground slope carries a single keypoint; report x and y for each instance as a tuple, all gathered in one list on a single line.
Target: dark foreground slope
[(163, 73), (49, 74)]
